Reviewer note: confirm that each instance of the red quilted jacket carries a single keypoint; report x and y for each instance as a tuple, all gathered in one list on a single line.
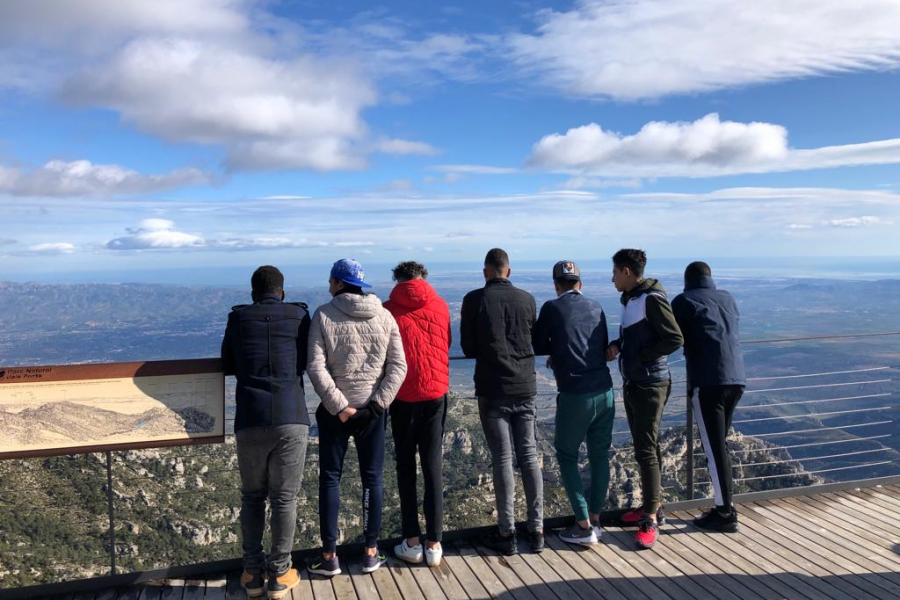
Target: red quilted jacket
[(424, 321)]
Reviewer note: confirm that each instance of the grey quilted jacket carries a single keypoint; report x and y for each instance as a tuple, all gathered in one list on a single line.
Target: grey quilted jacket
[(355, 353)]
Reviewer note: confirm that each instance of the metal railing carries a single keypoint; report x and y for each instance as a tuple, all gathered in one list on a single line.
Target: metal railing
[(871, 384)]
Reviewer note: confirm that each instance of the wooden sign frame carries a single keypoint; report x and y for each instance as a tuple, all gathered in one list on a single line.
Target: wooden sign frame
[(129, 370)]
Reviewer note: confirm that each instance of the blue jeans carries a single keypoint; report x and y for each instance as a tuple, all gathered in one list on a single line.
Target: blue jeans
[(334, 438), (271, 461), (508, 425)]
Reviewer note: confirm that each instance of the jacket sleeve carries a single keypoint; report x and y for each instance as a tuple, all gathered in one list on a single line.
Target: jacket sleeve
[(540, 337), (394, 369), (332, 398), (659, 314), (303, 343), (468, 327), (227, 354)]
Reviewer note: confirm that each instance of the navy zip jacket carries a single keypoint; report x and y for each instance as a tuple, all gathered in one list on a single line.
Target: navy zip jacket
[(495, 330), (265, 349), (708, 318), (572, 330)]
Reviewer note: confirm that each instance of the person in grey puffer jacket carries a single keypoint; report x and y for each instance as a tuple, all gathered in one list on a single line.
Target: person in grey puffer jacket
[(356, 365)]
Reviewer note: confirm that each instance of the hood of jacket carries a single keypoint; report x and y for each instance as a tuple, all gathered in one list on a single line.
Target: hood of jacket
[(702, 282), (644, 287), (413, 294), (357, 306)]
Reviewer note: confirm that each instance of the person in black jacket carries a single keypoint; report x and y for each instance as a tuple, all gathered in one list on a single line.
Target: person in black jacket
[(708, 318), (648, 333), (265, 349), (571, 329), (496, 331)]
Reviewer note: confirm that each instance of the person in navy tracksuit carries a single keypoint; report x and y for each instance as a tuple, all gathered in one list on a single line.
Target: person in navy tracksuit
[(708, 319)]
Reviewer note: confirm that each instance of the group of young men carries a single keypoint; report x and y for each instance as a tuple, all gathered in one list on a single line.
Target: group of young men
[(370, 362)]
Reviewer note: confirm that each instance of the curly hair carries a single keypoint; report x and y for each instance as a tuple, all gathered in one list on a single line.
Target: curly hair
[(408, 270)]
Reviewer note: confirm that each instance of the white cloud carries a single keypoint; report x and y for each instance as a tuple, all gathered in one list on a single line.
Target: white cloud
[(82, 178), (650, 48), (866, 221), (406, 147), (707, 147), (155, 234), (53, 248), (474, 169), (580, 183)]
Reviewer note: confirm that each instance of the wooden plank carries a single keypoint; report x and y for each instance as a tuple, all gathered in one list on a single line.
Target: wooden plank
[(403, 578), (172, 589), (303, 590), (844, 562), (619, 557), (233, 589), (787, 544), (503, 569), (216, 585), (746, 545), (523, 574), (651, 566), (563, 589), (322, 588), (681, 546), (457, 568), (859, 542), (194, 589), (583, 581), (849, 512), (748, 571), (381, 579), (866, 502), (446, 579), (363, 584), (481, 570), (818, 511), (431, 586), (343, 585)]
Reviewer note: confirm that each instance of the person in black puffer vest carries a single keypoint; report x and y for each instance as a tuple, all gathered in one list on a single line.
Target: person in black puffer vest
[(708, 317), (265, 349), (648, 333)]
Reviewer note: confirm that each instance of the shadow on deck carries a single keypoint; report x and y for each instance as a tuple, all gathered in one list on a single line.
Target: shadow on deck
[(831, 542)]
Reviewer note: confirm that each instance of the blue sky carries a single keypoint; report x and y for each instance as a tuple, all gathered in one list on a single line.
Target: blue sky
[(217, 133)]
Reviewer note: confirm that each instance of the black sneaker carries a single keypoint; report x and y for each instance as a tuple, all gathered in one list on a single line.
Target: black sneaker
[(325, 568), (715, 520), (502, 544), (536, 541)]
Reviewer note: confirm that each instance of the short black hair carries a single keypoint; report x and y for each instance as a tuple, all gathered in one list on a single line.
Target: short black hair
[(566, 284), (697, 269), (408, 270), (496, 260), (267, 280), (633, 258)]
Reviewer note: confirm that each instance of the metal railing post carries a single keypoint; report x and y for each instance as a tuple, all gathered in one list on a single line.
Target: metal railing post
[(689, 432), (112, 514)]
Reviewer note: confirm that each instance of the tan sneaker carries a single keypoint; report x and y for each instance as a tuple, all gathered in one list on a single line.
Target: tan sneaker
[(281, 585), (254, 583)]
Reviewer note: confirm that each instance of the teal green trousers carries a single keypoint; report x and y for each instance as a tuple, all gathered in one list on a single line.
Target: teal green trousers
[(580, 418)]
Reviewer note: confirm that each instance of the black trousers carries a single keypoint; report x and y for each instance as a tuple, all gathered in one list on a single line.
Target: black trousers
[(713, 408), (418, 427)]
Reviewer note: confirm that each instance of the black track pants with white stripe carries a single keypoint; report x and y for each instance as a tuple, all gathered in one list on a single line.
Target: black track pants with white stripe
[(713, 407)]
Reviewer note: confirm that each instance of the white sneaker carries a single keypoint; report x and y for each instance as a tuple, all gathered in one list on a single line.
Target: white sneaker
[(598, 532), (411, 554), (433, 556)]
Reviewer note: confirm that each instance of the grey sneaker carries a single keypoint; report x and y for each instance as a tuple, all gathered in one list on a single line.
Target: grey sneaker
[(373, 563), (574, 534)]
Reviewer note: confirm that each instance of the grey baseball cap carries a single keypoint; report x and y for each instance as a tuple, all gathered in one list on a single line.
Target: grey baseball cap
[(566, 269)]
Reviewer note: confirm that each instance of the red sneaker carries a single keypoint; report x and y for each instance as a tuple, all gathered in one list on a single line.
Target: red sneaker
[(647, 534), (633, 517)]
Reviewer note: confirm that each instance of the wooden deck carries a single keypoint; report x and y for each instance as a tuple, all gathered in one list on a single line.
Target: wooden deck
[(843, 545)]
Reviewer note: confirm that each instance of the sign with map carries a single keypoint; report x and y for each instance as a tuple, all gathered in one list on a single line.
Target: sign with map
[(72, 409)]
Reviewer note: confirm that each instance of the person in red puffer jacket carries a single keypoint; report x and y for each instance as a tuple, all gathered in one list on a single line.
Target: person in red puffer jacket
[(420, 409)]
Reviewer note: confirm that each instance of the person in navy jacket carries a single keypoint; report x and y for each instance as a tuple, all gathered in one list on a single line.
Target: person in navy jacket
[(265, 349), (708, 318)]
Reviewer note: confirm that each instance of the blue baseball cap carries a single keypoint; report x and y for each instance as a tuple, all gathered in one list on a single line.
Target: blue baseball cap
[(349, 271)]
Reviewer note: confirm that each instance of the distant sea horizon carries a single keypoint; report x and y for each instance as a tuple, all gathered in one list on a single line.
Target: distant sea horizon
[(840, 268)]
